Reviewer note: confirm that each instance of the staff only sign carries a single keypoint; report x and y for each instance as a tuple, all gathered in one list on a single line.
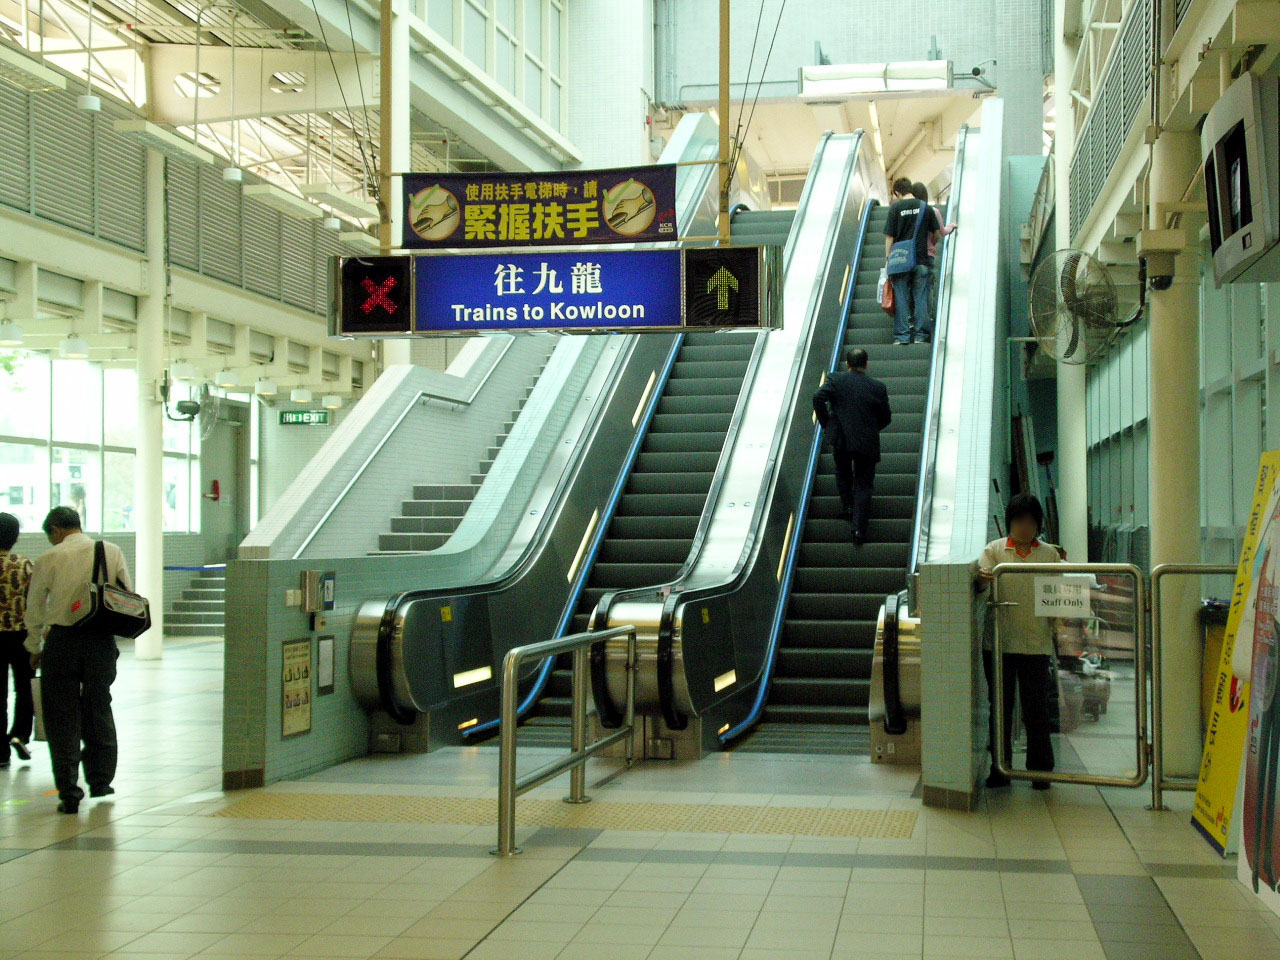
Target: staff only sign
[(622, 205)]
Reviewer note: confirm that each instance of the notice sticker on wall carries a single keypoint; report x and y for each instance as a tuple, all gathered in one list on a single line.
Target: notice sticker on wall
[(295, 688), (1066, 595)]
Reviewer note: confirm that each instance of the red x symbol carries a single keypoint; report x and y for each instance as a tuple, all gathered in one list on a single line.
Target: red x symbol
[(378, 295)]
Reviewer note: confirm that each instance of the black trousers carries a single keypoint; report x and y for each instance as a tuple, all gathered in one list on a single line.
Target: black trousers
[(855, 482), (76, 673), (1030, 675), (15, 658)]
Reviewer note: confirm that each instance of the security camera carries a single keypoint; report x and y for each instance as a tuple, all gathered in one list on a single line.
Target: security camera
[(1159, 265), (979, 71)]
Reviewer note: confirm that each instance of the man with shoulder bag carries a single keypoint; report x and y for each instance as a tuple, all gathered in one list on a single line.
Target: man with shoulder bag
[(80, 601), (908, 230)]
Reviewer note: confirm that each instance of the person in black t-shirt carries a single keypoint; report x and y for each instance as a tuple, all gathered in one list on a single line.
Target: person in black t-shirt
[(911, 289)]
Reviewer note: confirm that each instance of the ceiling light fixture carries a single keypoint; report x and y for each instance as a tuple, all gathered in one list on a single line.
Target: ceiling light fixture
[(74, 348), (226, 379), (332, 402), (265, 388), (300, 395), (10, 334)]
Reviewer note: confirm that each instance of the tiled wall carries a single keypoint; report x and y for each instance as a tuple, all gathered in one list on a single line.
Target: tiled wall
[(258, 624), (608, 91), (285, 450)]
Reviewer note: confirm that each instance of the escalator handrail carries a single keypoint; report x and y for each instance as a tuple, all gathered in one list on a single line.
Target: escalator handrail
[(933, 404), (543, 673), (682, 596), (797, 533)]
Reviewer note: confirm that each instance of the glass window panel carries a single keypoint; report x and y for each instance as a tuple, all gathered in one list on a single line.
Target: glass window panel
[(533, 27), (553, 40), (24, 483), (76, 482), (533, 86), (177, 493), (440, 17), (25, 412), (474, 40), (197, 491), (506, 55), (177, 434), (117, 492), (506, 13), (77, 402), (120, 401), (553, 105)]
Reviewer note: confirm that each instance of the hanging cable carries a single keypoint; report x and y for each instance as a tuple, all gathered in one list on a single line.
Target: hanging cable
[(747, 82), (364, 101), (759, 84), (364, 159)]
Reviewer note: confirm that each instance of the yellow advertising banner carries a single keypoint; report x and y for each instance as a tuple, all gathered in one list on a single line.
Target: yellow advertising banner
[(1229, 719)]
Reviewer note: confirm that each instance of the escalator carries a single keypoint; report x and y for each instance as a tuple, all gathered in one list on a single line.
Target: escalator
[(656, 519), (823, 671)]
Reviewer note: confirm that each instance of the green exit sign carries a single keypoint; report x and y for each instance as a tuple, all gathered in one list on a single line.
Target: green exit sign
[(304, 418)]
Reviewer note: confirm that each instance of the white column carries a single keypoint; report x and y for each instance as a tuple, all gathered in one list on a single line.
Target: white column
[(394, 134), (1070, 460), (1174, 462), (148, 485)]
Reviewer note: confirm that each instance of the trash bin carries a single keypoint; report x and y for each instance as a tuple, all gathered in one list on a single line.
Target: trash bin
[(1213, 630)]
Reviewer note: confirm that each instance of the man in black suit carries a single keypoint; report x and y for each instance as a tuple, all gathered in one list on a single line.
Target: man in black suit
[(853, 408)]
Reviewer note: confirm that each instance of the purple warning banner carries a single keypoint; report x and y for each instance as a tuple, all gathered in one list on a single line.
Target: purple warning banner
[(620, 205)]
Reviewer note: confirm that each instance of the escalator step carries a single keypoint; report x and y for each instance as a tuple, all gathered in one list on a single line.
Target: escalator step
[(698, 403), (851, 634), (822, 691), (835, 606), (682, 482), (847, 555), (882, 506), (639, 528), (637, 573), (703, 387), (683, 442), (662, 505), (819, 662), (669, 550), (878, 531), (789, 713), (689, 423), (881, 580), (647, 463)]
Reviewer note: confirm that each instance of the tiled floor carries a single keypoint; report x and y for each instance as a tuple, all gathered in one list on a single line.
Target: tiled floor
[(1072, 874)]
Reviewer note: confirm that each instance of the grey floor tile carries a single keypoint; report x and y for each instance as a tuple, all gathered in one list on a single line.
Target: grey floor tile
[(1132, 913), (1152, 933), (1140, 891)]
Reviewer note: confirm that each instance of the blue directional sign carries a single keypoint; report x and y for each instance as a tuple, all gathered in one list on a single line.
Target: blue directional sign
[(628, 291), (633, 289)]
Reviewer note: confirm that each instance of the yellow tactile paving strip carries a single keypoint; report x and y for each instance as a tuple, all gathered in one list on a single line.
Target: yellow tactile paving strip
[(599, 815)]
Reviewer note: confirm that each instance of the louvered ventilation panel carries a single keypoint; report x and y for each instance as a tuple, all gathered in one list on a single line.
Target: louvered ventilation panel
[(183, 189), (261, 248), (121, 188), (15, 147), (219, 227), (64, 162)]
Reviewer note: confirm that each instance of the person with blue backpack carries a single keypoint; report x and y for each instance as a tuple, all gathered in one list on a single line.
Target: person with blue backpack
[(907, 232)]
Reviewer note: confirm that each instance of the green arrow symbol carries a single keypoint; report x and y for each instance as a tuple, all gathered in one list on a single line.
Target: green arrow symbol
[(722, 281)]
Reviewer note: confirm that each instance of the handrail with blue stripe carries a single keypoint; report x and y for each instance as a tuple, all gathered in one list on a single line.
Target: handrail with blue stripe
[(797, 533), (543, 673)]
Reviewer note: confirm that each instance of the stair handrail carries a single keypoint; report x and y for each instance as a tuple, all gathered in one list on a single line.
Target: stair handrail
[(933, 405)]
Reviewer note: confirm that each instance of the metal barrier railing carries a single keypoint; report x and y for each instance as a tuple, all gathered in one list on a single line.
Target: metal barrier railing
[(1140, 671), (1159, 783), (509, 785)]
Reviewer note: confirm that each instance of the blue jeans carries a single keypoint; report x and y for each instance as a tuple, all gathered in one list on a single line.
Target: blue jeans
[(911, 302)]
